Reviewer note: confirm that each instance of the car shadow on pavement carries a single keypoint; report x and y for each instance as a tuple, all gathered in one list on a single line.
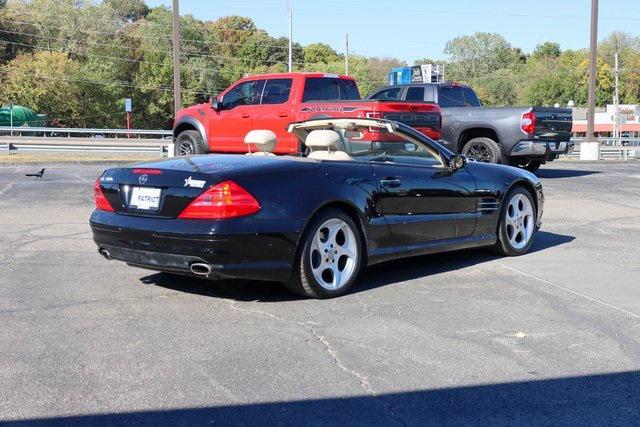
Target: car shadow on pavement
[(421, 266), (370, 278), (604, 399), (563, 173)]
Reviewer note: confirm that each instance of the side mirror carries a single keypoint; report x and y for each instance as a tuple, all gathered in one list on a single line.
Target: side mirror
[(215, 104), (458, 162)]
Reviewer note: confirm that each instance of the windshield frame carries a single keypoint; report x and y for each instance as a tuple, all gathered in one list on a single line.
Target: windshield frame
[(438, 151)]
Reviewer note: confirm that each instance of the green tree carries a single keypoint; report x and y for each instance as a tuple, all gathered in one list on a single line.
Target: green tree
[(497, 88), (546, 50), (479, 54), (44, 82), (320, 53), (128, 10), (232, 32)]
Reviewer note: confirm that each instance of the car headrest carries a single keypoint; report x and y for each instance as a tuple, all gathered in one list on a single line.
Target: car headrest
[(264, 140), (323, 139)]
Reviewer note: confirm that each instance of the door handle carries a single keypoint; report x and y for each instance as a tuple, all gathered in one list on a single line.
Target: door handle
[(283, 114), (245, 115), (391, 181)]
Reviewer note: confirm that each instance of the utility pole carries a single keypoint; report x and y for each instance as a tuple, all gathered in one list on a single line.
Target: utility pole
[(616, 102), (346, 54), (10, 118), (590, 147), (176, 58), (290, 41)]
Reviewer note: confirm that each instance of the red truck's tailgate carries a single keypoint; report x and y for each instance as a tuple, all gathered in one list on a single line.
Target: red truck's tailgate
[(424, 117)]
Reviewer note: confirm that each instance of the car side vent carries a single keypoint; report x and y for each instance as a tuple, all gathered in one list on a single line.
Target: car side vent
[(488, 205)]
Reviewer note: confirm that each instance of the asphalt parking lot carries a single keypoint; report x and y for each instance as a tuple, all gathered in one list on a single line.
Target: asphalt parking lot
[(549, 337)]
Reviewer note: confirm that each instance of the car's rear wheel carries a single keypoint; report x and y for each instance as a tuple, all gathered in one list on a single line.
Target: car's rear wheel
[(189, 142), (329, 258), (517, 226), (482, 150)]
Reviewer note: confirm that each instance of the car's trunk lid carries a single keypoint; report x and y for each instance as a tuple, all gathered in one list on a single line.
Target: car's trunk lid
[(145, 191)]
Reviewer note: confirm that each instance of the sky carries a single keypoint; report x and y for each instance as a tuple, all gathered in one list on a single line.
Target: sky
[(417, 29)]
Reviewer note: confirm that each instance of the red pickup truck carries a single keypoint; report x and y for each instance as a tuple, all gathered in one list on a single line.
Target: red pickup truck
[(272, 101)]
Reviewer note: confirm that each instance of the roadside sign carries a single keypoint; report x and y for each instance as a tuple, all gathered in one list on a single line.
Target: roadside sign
[(127, 105)]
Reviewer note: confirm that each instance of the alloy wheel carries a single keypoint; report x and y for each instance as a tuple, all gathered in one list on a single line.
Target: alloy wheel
[(480, 153), (185, 149), (333, 255), (519, 221)]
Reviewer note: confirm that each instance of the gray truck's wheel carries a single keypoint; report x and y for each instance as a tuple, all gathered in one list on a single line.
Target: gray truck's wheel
[(329, 258), (532, 165), (189, 142), (482, 150)]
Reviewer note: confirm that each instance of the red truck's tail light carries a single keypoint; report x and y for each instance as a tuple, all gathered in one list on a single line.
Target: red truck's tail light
[(374, 115), (528, 122), (224, 200), (98, 196)]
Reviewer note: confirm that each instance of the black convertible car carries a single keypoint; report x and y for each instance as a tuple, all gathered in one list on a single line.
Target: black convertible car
[(363, 191)]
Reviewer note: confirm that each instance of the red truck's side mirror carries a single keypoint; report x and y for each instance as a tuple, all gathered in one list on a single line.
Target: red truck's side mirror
[(215, 104)]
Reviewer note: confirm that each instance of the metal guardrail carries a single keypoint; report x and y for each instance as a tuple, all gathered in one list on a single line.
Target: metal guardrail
[(611, 148), (46, 132), (164, 146), (88, 145)]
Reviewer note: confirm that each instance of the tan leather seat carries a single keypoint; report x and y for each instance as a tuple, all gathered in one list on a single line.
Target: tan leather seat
[(264, 141), (325, 144)]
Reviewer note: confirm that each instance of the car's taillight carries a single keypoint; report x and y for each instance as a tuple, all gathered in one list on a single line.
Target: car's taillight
[(98, 196), (528, 122), (140, 171), (224, 200)]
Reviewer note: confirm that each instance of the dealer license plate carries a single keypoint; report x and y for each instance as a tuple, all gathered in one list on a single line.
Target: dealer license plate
[(145, 198)]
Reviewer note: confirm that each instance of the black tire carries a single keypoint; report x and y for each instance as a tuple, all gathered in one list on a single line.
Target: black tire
[(529, 165), (482, 149), (503, 245), (303, 281), (532, 165), (189, 142)]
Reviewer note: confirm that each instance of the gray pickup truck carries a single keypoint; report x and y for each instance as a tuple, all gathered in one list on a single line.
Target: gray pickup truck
[(519, 136)]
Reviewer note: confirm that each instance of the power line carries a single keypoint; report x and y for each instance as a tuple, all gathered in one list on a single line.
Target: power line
[(115, 58), (186, 54), (168, 35), (112, 83), (444, 12)]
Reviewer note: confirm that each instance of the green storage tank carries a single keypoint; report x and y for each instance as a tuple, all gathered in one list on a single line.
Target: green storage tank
[(22, 116)]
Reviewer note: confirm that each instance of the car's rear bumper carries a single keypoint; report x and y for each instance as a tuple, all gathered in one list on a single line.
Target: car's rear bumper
[(540, 149), (174, 245)]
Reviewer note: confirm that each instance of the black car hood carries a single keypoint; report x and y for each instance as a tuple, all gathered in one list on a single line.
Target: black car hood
[(487, 173)]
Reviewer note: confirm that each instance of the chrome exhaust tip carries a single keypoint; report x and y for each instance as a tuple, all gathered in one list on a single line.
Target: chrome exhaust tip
[(201, 269), (105, 253)]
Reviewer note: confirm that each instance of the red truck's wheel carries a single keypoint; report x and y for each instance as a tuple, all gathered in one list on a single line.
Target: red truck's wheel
[(189, 142)]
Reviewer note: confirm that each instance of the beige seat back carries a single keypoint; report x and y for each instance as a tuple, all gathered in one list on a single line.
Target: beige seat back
[(325, 144), (263, 140)]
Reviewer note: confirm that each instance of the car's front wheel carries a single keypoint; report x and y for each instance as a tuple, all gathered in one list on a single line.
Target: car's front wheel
[(517, 226), (329, 258)]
